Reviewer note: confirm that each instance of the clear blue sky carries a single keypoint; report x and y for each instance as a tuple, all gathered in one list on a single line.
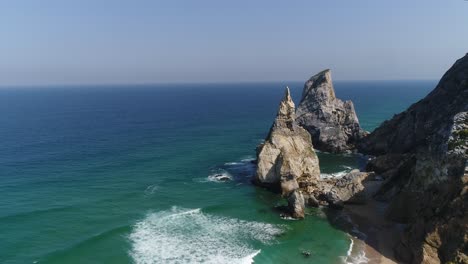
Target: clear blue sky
[(93, 41)]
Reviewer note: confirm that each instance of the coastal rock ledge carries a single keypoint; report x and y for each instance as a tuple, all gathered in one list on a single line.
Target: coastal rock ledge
[(332, 123), (286, 160)]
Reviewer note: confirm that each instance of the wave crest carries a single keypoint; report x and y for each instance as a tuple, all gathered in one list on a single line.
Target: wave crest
[(191, 236)]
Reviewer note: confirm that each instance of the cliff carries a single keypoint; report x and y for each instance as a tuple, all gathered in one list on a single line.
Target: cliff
[(422, 156), (332, 123)]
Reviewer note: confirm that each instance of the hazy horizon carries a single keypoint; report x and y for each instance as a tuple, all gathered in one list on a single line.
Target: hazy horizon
[(125, 42), (190, 83)]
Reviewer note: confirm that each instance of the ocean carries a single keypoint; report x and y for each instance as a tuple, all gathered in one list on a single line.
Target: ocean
[(125, 173)]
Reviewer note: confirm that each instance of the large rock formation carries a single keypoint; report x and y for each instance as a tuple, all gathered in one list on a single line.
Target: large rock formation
[(422, 155), (287, 160), (332, 123)]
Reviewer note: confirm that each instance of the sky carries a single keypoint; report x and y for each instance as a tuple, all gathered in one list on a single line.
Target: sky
[(122, 41)]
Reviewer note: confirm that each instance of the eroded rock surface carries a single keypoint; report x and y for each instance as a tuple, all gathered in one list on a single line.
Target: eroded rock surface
[(287, 163), (336, 192), (332, 123), (422, 156), (287, 160), (296, 204)]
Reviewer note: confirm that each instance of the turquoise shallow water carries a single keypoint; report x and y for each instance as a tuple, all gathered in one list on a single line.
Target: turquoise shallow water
[(122, 174)]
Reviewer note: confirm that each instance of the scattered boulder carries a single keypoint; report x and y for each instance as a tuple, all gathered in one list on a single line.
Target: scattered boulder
[(296, 204), (311, 201)]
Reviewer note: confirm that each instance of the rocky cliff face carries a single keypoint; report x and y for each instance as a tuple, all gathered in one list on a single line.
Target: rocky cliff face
[(422, 155), (332, 123), (286, 160), (427, 122)]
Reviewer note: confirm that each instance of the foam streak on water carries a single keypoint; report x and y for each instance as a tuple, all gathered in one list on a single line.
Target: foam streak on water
[(356, 253), (334, 175), (191, 236)]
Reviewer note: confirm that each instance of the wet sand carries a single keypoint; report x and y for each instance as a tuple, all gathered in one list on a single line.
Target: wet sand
[(381, 235)]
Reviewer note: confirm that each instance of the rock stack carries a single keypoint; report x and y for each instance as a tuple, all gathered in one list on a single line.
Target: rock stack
[(421, 157), (287, 160), (287, 163), (332, 123)]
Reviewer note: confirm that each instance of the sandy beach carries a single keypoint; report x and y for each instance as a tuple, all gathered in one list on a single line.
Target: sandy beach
[(381, 235)]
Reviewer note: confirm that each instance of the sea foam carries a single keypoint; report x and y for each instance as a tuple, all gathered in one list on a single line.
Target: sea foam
[(334, 175), (151, 189), (191, 236), (219, 176), (356, 253)]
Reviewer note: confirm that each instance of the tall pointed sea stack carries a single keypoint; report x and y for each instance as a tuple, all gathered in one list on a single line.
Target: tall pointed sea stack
[(332, 123), (287, 160)]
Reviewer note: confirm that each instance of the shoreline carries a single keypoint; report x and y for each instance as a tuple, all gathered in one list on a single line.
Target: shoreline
[(380, 235)]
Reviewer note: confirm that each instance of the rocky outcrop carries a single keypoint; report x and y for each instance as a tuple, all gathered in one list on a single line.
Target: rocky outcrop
[(336, 192), (332, 123), (296, 204), (287, 160), (427, 122), (287, 163), (458, 140), (422, 156)]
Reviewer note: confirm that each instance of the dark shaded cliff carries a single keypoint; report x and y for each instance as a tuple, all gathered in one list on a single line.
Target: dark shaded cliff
[(427, 122), (422, 155)]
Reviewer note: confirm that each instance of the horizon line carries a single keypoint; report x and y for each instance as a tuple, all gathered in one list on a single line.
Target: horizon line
[(105, 84)]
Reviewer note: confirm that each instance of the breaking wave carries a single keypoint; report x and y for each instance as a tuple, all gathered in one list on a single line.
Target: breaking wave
[(356, 253), (338, 174), (334, 175), (220, 176), (191, 236), (239, 171)]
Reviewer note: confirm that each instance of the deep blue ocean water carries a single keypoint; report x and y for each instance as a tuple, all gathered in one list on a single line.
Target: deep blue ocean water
[(123, 174)]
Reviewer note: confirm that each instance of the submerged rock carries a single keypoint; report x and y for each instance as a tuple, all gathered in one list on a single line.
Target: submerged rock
[(287, 160), (332, 123), (306, 253), (222, 177)]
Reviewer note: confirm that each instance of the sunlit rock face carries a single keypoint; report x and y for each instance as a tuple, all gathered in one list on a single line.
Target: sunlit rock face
[(287, 160), (332, 123)]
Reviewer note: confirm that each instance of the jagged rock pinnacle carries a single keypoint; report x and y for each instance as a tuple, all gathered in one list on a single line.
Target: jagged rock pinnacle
[(332, 123), (286, 116), (287, 159)]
